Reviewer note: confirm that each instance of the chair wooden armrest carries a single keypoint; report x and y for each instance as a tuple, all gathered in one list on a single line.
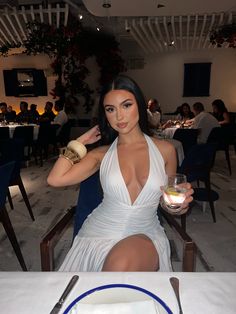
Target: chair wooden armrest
[(51, 238), (189, 247)]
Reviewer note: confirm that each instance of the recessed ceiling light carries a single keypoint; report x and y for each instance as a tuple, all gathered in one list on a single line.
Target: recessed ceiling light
[(106, 5)]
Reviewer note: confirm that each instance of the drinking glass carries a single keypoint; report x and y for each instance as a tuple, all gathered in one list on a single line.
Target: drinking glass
[(174, 192)]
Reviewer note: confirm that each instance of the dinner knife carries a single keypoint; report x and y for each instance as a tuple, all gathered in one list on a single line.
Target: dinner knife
[(175, 285), (67, 290)]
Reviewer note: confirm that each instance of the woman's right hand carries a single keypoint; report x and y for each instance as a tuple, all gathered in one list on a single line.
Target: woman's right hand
[(167, 124), (91, 136)]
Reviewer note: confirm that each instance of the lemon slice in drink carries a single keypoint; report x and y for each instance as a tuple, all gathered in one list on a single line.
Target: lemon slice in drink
[(171, 191)]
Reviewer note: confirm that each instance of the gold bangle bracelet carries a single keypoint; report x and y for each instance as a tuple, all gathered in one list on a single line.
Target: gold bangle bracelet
[(78, 148), (68, 154), (67, 158)]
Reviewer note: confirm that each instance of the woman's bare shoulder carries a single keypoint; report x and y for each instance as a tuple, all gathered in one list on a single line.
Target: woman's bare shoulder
[(166, 149)]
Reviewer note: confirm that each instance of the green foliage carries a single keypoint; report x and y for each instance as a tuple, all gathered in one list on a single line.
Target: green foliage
[(224, 34), (4, 49), (70, 46)]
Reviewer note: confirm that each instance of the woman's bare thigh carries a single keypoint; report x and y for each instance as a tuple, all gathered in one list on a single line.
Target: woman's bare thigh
[(134, 253)]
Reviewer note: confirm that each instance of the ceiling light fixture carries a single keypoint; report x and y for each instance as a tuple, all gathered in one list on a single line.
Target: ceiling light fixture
[(171, 43), (106, 4), (127, 28)]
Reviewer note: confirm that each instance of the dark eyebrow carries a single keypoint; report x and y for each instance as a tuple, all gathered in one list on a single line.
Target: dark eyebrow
[(128, 99), (124, 101)]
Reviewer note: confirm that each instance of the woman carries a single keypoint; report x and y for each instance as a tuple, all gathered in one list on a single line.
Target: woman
[(185, 112), (123, 233), (220, 112)]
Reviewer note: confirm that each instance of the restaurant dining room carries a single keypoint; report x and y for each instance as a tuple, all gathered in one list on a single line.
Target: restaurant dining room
[(117, 156)]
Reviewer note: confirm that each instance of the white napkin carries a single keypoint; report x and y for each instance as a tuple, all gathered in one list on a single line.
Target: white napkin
[(138, 307)]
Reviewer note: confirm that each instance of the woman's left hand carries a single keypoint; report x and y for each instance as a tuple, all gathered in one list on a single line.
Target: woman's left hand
[(185, 205), (187, 201), (91, 136)]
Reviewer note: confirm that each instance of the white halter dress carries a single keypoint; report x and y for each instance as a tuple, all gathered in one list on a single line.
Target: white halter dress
[(117, 218)]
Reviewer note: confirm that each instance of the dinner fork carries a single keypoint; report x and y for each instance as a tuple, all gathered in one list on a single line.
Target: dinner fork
[(175, 285)]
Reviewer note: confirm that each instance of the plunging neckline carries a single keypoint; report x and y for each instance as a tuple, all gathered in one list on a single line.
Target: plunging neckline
[(122, 178)]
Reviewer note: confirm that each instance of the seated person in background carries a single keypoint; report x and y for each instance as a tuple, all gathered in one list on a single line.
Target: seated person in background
[(123, 233), (3, 111), (154, 115), (33, 114), (203, 121), (48, 115), (185, 113), (167, 124), (156, 103), (177, 111), (23, 116), (220, 112), (5, 115), (61, 117), (11, 115)]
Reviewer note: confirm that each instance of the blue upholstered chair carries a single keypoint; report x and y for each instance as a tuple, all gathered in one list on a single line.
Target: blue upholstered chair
[(46, 137), (90, 196), (197, 166), (188, 138), (13, 150), (87, 200), (26, 135), (4, 133), (5, 175), (222, 137)]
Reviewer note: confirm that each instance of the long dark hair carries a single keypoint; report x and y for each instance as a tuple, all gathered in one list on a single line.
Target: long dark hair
[(220, 105), (122, 82)]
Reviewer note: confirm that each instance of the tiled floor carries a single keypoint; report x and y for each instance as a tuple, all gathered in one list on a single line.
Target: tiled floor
[(216, 242)]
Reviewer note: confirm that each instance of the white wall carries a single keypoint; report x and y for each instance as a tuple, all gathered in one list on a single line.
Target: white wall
[(162, 77), (24, 61), (42, 62)]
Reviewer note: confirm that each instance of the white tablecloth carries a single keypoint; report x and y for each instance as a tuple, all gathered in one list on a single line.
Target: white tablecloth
[(37, 292), (177, 144), (13, 126), (169, 132), (179, 149)]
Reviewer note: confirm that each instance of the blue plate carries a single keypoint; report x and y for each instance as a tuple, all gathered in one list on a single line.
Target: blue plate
[(112, 286)]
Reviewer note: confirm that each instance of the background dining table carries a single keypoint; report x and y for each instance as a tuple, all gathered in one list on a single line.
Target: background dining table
[(13, 126), (177, 144), (178, 148), (37, 292), (169, 132)]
